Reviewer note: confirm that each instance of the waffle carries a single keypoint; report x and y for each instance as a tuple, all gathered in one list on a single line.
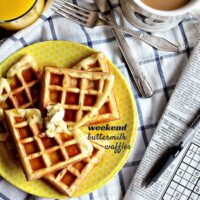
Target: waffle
[(23, 78), (20, 89), (109, 111), (4, 90), (4, 134), (80, 93), (97, 62), (38, 153), (69, 179)]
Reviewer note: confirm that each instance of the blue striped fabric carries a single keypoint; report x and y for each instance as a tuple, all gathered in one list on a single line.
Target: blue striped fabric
[(164, 69)]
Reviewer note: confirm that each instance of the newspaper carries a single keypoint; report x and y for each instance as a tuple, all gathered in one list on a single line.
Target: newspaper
[(181, 109)]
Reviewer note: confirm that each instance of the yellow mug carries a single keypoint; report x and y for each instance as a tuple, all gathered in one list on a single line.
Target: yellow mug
[(16, 15)]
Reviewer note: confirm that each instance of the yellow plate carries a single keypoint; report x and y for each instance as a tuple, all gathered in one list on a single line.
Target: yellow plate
[(63, 53)]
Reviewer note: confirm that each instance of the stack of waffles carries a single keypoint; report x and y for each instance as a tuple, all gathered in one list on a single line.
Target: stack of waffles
[(84, 95)]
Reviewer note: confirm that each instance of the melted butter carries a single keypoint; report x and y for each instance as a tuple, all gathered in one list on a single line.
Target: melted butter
[(4, 85), (33, 116), (54, 120), (86, 145), (21, 65)]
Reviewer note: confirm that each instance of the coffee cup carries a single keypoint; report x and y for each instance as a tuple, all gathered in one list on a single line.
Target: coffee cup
[(156, 18)]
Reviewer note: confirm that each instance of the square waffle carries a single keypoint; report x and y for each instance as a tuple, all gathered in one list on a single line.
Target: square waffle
[(69, 179), (80, 93), (109, 111), (4, 90), (38, 153), (20, 89), (4, 134)]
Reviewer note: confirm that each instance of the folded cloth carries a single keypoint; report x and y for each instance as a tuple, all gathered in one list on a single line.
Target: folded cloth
[(163, 68)]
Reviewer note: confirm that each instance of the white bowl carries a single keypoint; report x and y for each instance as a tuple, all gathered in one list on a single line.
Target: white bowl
[(180, 11)]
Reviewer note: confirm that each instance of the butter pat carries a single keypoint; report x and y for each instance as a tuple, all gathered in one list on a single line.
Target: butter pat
[(54, 120), (54, 123), (86, 145)]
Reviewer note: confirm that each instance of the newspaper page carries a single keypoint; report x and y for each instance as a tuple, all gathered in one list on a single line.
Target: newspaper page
[(174, 183)]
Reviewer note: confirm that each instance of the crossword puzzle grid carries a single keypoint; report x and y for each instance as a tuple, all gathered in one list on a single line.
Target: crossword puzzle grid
[(185, 184)]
